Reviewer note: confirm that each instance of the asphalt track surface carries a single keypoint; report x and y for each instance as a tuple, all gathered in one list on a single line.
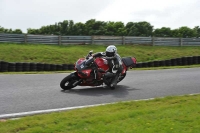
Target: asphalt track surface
[(33, 92)]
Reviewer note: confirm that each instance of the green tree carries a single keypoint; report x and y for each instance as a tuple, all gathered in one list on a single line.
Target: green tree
[(17, 31), (184, 32), (115, 28), (129, 28), (71, 28), (64, 27), (119, 29), (33, 31), (99, 28), (94, 27), (110, 30), (79, 29), (197, 31), (57, 29), (44, 30), (8, 31), (139, 29), (1, 29), (89, 26), (163, 32)]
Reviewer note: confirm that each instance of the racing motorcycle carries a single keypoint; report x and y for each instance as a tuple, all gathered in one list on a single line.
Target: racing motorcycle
[(90, 71)]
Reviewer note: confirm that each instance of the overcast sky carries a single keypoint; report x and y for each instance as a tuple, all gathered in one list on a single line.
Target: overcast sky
[(24, 14)]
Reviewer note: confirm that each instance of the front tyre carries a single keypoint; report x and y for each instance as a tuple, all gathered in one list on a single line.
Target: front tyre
[(68, 81)]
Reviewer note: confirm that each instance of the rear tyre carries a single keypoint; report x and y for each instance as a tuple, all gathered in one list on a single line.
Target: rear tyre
[(121, 77), (68, 81)]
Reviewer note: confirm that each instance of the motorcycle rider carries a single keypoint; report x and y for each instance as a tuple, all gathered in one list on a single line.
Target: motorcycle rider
[(114, 62)]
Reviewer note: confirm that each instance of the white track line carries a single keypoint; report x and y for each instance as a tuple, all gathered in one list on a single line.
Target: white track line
[(22, 114)]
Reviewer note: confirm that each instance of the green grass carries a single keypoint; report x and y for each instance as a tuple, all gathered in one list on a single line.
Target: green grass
[(180, 114), (69, 54), (161, 115)]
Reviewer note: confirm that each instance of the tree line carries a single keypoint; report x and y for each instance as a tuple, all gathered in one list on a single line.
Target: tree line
[(110, 28), (4, 30)]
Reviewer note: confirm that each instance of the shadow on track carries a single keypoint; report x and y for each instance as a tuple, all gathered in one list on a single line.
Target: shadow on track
[(120, 91)]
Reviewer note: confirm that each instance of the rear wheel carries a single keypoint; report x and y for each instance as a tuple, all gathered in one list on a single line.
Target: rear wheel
[(68, 81), (121, 77)]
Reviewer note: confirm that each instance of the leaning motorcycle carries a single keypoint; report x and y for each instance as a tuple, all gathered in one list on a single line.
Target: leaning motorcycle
[(92, 71)]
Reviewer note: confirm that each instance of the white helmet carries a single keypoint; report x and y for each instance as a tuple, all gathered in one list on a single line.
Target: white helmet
[(111, 51)]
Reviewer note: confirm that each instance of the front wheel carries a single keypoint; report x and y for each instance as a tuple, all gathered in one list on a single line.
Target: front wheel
[(68, 81)]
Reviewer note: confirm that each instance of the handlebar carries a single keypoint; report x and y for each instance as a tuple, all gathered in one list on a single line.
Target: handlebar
[(89, 54), (100, 54)]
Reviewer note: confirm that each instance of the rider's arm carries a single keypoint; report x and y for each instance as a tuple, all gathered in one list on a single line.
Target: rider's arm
[(99, 54)]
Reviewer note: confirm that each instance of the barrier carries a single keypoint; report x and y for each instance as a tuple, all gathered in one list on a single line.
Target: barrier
[(171, 62), (21, 67), (97, 39)]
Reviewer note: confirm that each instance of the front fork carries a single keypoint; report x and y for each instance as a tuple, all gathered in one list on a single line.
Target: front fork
[(75, 76), (77, 82)]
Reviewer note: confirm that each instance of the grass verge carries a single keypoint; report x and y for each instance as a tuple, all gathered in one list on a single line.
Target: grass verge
[(170, 114), (53, 54), (163, 115)]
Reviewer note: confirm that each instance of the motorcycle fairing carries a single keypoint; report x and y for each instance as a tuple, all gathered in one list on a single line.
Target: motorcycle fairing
[(84, 73), (102, 64), (82, 69), (81, 64), (79, 61)]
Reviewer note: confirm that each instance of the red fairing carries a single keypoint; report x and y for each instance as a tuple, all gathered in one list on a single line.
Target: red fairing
[(86, 72), (124, 69), (80, 60), (134, 60), (102, 63)]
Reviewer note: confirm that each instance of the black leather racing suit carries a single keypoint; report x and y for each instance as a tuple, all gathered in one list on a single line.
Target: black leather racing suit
[(115, 66)]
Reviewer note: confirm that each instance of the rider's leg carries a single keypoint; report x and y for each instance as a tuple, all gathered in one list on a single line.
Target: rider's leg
[(115, 78)]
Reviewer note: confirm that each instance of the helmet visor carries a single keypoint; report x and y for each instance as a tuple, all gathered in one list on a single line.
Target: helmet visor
[(110, 54)]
